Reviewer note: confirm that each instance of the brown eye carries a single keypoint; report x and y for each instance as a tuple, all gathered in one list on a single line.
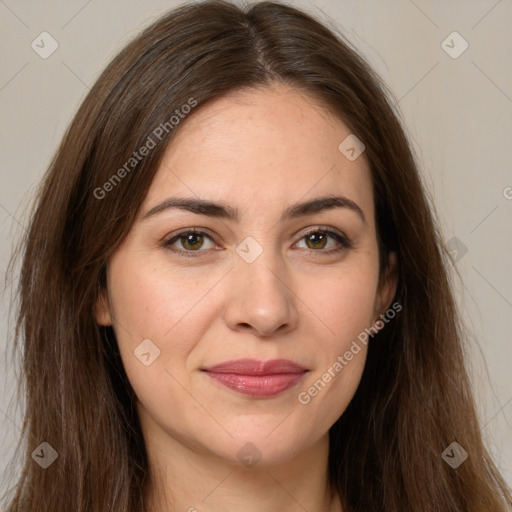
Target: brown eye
[(190, 241), (318, 240)]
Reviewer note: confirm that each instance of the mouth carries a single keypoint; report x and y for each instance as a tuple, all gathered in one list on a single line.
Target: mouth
[(257, 378)]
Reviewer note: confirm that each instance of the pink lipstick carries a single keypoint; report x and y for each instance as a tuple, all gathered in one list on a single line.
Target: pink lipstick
[(257, 378)]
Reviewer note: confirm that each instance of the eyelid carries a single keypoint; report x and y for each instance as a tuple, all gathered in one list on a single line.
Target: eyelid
[(200, 231), (320, 227)]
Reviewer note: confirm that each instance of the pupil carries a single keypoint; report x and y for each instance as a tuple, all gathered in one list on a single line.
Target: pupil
[(316, 238), (193, 239)]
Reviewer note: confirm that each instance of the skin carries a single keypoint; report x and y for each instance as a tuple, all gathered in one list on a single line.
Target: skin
[(259, 151)]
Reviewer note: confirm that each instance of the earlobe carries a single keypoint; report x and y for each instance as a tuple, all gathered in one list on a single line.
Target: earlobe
[(102, 309)]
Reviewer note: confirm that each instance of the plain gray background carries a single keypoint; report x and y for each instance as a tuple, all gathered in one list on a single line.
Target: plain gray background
[(457, 112)]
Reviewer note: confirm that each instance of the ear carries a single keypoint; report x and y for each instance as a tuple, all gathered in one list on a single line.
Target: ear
[(387, 286), (102, 309)]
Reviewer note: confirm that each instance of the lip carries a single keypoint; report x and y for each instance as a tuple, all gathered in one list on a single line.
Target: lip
[(257, 378)]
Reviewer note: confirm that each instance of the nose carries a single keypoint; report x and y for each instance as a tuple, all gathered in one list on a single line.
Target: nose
[(260, 298)]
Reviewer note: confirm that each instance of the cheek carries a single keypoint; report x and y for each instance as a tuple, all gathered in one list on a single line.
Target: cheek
[(157, 314), (167, 308), (345, 304)]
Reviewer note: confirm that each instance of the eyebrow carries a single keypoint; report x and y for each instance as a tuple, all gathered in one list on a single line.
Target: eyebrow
[(225, 211)]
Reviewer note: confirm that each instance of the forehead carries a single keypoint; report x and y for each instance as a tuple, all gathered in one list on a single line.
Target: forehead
[(262, 146)]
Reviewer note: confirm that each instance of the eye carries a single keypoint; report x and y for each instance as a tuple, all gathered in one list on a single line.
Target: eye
[(317, 240), (191, 241)]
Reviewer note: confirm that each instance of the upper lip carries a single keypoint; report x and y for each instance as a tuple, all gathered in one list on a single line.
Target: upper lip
[(256, 367)]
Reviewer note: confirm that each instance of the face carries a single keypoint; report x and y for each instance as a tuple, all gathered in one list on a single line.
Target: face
[(270, 273)]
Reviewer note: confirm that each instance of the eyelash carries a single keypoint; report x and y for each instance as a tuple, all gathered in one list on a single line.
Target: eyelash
[(343, 240)]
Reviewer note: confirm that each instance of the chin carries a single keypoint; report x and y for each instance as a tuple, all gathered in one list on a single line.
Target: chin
[(264, 447)]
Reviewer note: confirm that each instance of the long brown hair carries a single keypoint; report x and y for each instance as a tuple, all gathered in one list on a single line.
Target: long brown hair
[(414, 398)]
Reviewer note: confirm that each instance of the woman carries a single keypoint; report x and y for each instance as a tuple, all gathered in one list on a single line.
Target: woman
[(233, 292)]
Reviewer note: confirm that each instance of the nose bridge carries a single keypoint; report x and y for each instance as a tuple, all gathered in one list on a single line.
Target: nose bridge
[(259, 295)]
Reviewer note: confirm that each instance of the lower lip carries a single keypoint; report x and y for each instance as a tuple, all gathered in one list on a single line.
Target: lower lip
[(258, 385)]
